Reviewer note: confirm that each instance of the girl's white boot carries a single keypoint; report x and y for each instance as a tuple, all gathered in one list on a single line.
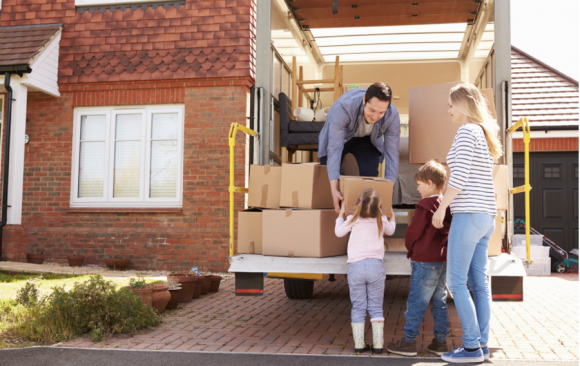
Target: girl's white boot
[(378, 337), (358, 333)]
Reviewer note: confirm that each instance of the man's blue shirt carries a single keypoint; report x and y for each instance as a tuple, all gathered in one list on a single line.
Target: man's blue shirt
[(343, 121)]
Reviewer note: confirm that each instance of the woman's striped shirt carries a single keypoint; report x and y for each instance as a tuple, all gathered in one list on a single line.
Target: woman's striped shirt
[(471, 167)]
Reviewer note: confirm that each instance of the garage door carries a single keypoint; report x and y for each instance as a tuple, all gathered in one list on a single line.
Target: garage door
[(554, 195)]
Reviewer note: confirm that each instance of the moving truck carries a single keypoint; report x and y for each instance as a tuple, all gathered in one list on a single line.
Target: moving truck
[(309, 52)]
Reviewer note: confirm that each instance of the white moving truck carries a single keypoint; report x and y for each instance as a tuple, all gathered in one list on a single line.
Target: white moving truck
[(402, 43)]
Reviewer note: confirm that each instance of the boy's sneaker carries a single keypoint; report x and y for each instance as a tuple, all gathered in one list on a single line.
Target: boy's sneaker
[(485, 350), (460, 355), (403, 347), (438, 347)]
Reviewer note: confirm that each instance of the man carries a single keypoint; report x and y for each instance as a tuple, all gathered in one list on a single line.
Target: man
[(366, 124)]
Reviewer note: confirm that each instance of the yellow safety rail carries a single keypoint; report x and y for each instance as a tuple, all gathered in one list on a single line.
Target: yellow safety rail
[(526, 188), (233, 189)]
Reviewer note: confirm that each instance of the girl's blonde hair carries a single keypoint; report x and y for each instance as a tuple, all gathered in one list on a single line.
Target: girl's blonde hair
[(469, 101), (369, 206)]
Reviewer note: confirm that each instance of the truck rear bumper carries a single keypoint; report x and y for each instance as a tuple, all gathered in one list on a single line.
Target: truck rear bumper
[(395, 263)]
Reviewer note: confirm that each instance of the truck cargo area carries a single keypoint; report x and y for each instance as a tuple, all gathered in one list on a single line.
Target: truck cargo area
[(310, 52)]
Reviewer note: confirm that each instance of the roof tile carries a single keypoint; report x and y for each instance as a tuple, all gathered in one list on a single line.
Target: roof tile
[(21, 45), (195, 40)]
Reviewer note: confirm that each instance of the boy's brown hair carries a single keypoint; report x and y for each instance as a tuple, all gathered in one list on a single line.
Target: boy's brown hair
[(432, 171)]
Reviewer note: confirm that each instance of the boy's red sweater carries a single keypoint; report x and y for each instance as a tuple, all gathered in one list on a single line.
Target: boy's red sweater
[(422, 239)]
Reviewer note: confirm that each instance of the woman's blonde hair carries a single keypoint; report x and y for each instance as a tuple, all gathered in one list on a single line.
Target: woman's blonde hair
[(369, 206), (469, 101)]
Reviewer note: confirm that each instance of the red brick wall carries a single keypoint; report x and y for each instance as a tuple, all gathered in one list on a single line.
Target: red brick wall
[(552, 144), (196, 236), (200, 39)]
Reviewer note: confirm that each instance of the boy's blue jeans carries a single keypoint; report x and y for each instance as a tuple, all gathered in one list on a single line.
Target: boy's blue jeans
[(366, 283), (427, 286), (467, 264)]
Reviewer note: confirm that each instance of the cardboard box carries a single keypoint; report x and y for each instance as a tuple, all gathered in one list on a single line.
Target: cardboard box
[(250, 231), (265, 184), (431, 131), (495, 242), (351, 188), (305, 186), (501, 186), (395, 245), (301, 233), (488, 95)]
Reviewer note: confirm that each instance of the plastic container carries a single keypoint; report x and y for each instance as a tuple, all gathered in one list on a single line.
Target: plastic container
[(535, 251), (540, 267), (520, 239)]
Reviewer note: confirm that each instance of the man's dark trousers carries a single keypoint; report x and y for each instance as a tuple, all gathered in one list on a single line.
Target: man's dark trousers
[(366, 154)]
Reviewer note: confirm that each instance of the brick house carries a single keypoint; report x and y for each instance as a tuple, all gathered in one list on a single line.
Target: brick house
[(549, 99), (126, 152)]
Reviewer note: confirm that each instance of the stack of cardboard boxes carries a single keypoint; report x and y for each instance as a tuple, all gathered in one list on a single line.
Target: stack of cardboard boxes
[(291, 211), (431, 134), (292, 214)]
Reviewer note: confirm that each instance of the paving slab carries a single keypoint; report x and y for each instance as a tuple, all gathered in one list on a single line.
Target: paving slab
[(542, 327)]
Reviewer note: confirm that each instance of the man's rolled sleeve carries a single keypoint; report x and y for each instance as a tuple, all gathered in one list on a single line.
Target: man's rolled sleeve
[(391, 141)]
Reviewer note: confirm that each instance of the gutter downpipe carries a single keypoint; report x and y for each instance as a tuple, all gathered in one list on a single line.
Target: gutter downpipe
[(8, 70), (6, 164)]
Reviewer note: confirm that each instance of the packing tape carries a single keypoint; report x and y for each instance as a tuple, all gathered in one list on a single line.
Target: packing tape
[(266, 169), (252, 248), (288, 213), (264, 199), (295, 199), (290, 253)]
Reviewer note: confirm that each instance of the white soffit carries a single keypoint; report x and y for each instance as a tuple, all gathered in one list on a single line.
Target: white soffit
[(408, 42), (486, 43), (44, 75)]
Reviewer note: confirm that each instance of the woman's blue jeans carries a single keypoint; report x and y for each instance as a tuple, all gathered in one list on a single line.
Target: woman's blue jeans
[(467, 264)]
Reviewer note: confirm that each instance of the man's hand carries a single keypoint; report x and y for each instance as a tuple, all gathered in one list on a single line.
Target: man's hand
[(342, 210), (336, 195)]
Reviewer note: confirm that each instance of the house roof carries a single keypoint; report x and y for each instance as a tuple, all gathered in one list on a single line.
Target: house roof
[(543, 94), (23, 44)]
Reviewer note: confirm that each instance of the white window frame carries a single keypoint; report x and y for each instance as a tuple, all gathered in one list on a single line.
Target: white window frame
[(108, 200), (113, 2)]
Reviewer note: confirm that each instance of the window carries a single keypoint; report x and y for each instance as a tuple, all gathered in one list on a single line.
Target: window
[(551, 172), (519, 172), (128, 157), (575, 171)]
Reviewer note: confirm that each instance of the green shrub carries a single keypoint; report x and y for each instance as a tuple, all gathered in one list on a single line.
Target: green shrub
[(29, 293), (137, 282), (95, 307)]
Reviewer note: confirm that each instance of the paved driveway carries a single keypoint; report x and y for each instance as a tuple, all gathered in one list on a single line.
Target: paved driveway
[(545, 326)]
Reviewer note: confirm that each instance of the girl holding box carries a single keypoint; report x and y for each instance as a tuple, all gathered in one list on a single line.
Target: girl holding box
[(366, 272)]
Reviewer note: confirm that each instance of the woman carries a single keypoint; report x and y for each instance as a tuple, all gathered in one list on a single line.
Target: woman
[(471, 196)]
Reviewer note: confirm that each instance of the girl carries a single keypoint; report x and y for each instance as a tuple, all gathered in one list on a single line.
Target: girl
[(471, 196), (366, 273)]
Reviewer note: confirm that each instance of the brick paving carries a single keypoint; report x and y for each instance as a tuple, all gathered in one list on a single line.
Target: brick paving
[(545, 326)]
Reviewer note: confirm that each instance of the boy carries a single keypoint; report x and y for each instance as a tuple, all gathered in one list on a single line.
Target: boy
[(427, 248)]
